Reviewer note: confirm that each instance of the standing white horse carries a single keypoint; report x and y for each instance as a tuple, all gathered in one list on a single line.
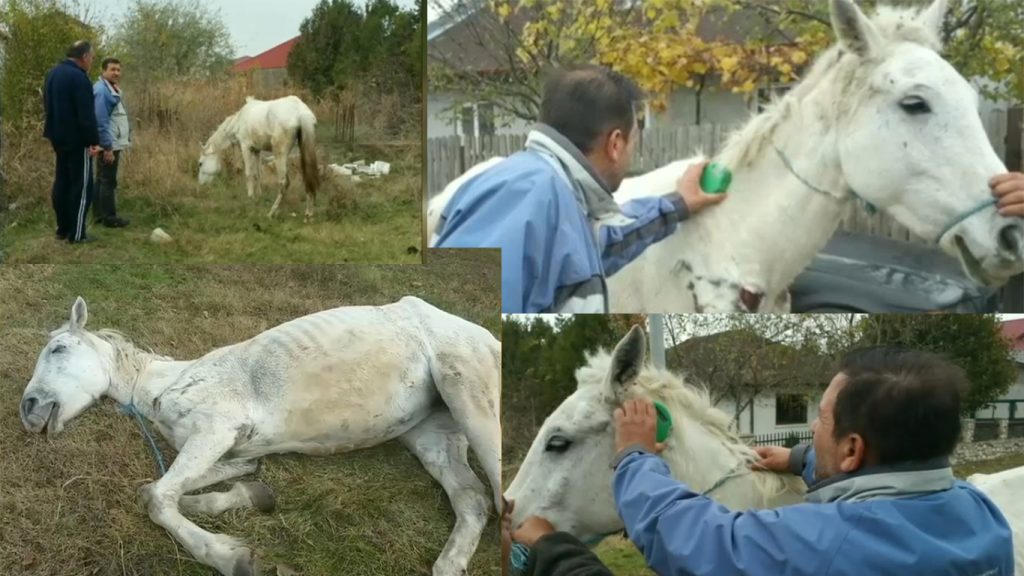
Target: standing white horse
[(880, 119), (566, 479), (565, 476), (274, 126), (329, 382)]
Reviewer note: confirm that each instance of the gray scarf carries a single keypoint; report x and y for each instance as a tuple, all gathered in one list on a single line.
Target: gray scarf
[(900, 481), (591, 191)]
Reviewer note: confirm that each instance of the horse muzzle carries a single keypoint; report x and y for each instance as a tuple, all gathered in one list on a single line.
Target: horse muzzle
[(38, 416)]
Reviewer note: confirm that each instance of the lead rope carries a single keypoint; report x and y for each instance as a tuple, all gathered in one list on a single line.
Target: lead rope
[(130, 408)]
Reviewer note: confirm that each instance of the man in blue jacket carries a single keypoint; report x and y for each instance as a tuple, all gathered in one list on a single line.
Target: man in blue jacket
[(115, 136), (882, 498), (550, 208), (70, 126)]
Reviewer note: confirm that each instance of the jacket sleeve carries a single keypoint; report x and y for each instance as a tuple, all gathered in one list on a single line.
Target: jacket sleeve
[(103, 117), (681, 532), (85, 110), (651, 220), (561, 554), (802, 461)]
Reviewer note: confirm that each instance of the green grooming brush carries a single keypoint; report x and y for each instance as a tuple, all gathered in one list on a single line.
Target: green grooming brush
[(664, 422), (715, 178)]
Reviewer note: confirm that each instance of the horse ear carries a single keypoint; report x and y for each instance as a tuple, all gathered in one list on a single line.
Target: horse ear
[(932, 17), (79, 313), (855, 32), (627, 360)]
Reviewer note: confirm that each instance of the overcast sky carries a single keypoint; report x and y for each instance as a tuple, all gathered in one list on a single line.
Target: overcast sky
[(255, 25)]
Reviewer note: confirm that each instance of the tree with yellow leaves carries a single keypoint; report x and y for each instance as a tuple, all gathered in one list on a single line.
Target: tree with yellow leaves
[(667, 45)]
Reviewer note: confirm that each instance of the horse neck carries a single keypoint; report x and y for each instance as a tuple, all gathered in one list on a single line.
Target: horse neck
[(137, 376), (700, 458), (772, 224), (222, 136)]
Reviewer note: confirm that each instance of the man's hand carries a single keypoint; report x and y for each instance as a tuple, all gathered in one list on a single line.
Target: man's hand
[(772, 458), (689, 188), (506, 529), (94, 151), (531, 530), (108, 156), (636, 422), (1009, 189)]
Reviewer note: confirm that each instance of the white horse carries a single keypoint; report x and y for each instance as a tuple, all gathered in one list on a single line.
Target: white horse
[(274, 126), (880, 119), (329, 382), (1005, 489), (565, 476)]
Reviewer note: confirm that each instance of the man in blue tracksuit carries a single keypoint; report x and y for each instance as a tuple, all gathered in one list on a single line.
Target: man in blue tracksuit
[(70, 126), (550, 208), (882, 498)]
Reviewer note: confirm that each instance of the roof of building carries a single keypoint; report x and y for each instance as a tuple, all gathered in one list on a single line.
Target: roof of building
[(276, 57)]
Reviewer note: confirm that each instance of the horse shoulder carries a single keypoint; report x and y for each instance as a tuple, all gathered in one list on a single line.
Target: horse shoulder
[(657, 182)]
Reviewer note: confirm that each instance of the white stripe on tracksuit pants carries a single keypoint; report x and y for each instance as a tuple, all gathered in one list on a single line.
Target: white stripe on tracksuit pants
[(86, 177)]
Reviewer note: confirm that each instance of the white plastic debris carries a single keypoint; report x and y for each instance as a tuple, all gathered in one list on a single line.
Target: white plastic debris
[(360, 167), (159, 236)]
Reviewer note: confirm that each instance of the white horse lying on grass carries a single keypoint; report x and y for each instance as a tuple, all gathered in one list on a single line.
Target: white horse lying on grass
[(881, 119), (574, 492), (274, 126), (329, 382)]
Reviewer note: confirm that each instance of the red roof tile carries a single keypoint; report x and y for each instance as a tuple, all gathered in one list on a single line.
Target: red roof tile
[(276, 57), (1013, 330)]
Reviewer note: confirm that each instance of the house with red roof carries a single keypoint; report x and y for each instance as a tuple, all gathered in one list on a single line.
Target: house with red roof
[(267, 70), (1011, 404)]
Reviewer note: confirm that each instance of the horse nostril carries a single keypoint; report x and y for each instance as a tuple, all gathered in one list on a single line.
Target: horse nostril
[(28, 404), (1011, 240)]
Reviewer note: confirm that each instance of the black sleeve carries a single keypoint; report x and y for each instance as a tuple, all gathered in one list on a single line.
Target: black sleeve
[(561, 554), (85, 110)]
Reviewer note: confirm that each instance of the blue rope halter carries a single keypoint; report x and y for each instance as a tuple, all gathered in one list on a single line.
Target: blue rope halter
[(129, 408), (871, 208)]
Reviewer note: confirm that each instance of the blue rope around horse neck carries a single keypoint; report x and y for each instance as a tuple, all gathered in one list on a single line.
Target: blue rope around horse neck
[(964, 216), (130, 409), (871, 208)]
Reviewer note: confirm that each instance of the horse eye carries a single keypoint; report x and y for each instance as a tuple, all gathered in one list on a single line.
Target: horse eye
[(915, 105), (58, 349), (558, 444)]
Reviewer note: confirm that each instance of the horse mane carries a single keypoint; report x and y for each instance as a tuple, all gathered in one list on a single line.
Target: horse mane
[(129, 360), (224, 130), (694, 403), (894, 25)]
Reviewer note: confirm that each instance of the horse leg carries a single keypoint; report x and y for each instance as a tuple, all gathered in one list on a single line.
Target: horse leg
[(251, 162), (281, 167), (441, 447), (469, 385), (228, 555), (242, 494)]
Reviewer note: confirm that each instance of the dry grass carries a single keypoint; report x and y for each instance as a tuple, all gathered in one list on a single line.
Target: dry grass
[(68, 503), (372, 221)]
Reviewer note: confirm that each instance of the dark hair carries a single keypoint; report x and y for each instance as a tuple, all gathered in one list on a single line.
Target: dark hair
[(79, 49), (109, 61), (584, 102), (905, 404)]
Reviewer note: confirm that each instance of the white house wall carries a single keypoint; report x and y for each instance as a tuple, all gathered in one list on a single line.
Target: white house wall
[(764, 416), (1016, 392), (716, 108), (443, 121)]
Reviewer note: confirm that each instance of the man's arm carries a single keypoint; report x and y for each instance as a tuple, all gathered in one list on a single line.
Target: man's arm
[(652, 220), (681, 532), (85, 110), (561, 554), (103, 117)]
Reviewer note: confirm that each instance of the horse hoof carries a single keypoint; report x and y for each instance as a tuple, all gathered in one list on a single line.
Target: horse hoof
[(262, 496), (245, 565)]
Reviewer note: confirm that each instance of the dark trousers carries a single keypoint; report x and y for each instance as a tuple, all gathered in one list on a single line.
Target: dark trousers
[(106, 185), (72, 192)]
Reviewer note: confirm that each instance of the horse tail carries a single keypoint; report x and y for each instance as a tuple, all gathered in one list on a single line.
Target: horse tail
[(307, 147)]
